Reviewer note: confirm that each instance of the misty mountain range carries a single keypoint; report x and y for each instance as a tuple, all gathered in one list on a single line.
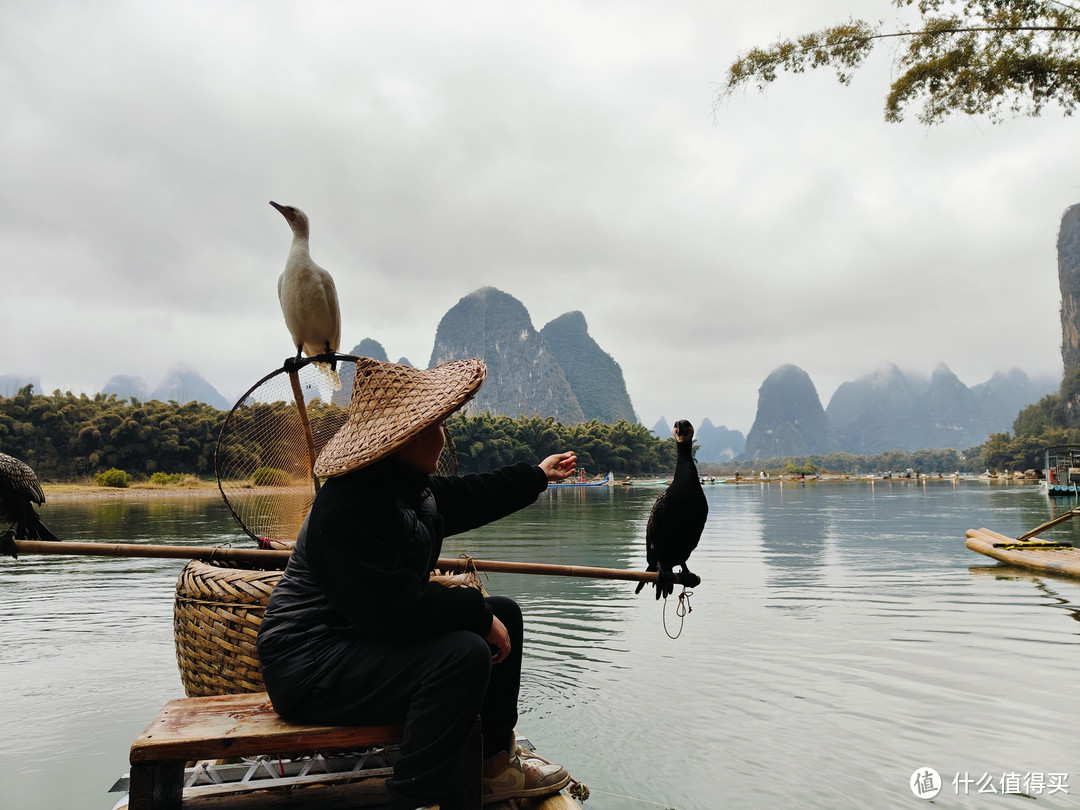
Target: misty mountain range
[(886, 410), (560, 371)]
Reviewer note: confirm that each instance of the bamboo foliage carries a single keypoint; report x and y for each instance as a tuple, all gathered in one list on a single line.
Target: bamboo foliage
[(485, 441), (65, 437)]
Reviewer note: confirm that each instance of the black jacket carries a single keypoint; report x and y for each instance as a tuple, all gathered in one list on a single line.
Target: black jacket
[(362, 559)]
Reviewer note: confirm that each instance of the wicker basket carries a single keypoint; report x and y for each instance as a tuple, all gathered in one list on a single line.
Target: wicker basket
[(216, 620)]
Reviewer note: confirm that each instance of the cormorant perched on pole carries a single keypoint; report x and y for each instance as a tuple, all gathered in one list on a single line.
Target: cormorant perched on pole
[(308, 297), (677, 519), (19, 490)]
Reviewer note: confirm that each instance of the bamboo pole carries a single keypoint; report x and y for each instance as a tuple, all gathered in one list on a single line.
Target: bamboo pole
[(270, 558), (301, 408), (1049, 524), (500, 566), (267, 558)]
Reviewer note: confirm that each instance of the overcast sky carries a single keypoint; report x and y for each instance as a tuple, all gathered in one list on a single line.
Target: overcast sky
[(567, 153)]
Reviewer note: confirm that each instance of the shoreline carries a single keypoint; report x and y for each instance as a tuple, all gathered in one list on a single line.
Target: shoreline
[(57, 493)]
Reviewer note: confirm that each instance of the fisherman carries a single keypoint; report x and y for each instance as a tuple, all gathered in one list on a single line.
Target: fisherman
[(355, 633)]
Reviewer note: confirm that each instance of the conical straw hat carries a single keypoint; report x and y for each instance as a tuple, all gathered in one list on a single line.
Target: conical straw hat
[(391, 405)]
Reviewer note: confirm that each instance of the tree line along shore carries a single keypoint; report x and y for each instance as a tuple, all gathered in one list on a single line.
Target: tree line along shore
[(83, 440)]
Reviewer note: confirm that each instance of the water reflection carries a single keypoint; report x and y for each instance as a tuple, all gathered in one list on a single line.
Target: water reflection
[(572, 623), (893, 650), (1047, 586), (794, 527)]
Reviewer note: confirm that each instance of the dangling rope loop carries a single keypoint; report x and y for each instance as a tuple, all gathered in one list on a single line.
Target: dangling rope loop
[(684, 603), (680, 610)]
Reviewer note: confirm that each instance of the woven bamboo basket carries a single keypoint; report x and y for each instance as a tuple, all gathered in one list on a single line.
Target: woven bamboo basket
[(216, 621)]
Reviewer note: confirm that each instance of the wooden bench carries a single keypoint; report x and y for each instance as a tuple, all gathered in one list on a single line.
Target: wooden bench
[(231, 726)]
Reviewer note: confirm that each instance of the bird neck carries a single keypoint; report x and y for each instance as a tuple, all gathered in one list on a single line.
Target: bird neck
[(299, 245), (684, 458)]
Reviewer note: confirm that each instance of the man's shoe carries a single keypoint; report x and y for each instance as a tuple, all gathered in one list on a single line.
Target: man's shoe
[(508, 776)]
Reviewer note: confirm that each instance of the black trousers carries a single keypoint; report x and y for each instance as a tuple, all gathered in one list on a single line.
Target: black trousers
[(436, 686)]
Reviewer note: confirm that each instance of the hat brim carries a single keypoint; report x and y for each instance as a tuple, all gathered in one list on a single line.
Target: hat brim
[(391, 405)]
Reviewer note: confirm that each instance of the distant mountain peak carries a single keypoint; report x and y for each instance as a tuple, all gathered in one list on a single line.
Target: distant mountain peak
[(368, 347), (593, 375), (943, 370), (183, 384), (912, 413), (790, 420), (127, 386), (524, 376), (718, 443)]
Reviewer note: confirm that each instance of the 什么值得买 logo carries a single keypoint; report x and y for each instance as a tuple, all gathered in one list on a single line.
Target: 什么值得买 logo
[(925, 783)]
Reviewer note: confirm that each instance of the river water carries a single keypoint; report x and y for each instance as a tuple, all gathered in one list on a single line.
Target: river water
[(842, 639)]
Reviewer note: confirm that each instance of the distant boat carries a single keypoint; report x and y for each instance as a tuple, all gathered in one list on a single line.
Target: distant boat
[(596, 482), (1062, 470)]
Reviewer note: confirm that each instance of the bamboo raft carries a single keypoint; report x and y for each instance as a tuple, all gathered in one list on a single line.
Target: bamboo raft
[(217, 614), (1026, 552)]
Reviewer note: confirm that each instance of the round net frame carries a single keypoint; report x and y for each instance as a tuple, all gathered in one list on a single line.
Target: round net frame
[(270, 439)]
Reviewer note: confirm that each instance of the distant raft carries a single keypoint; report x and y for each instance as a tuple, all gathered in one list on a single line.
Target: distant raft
[(1062, 559)]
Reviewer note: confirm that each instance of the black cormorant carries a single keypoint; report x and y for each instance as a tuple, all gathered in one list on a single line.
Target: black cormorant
[(677, 519), (19, 491)]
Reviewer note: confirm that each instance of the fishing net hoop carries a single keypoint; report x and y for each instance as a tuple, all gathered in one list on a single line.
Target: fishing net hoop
[(268, 443)]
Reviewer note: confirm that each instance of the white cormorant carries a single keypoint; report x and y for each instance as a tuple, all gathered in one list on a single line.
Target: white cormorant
[(308, 297)]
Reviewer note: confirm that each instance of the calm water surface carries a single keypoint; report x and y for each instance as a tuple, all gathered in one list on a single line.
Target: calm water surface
[(842, 637)]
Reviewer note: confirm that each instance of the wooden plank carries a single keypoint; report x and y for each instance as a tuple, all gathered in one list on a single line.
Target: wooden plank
[(156, 785), (322, 791), (560, 801), (221, 726), (330, 793)]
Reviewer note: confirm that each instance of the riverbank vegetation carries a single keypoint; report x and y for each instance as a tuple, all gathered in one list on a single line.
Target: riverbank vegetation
[(68, 437), (485, 441), (925, 462), (1053, 420), (74, 438)]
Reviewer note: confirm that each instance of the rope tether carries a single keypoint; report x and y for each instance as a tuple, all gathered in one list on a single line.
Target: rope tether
[(680, 610)]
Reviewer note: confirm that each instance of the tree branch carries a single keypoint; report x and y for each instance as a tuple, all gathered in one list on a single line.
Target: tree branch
[(976, 74)]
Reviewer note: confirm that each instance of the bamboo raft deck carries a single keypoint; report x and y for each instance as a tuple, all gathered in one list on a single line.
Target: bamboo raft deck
[(342, 780), (327, 793), (1038, 555)]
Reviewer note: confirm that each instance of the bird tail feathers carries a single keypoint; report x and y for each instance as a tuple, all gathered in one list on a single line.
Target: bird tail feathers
[(331, 375), (43, 533)]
